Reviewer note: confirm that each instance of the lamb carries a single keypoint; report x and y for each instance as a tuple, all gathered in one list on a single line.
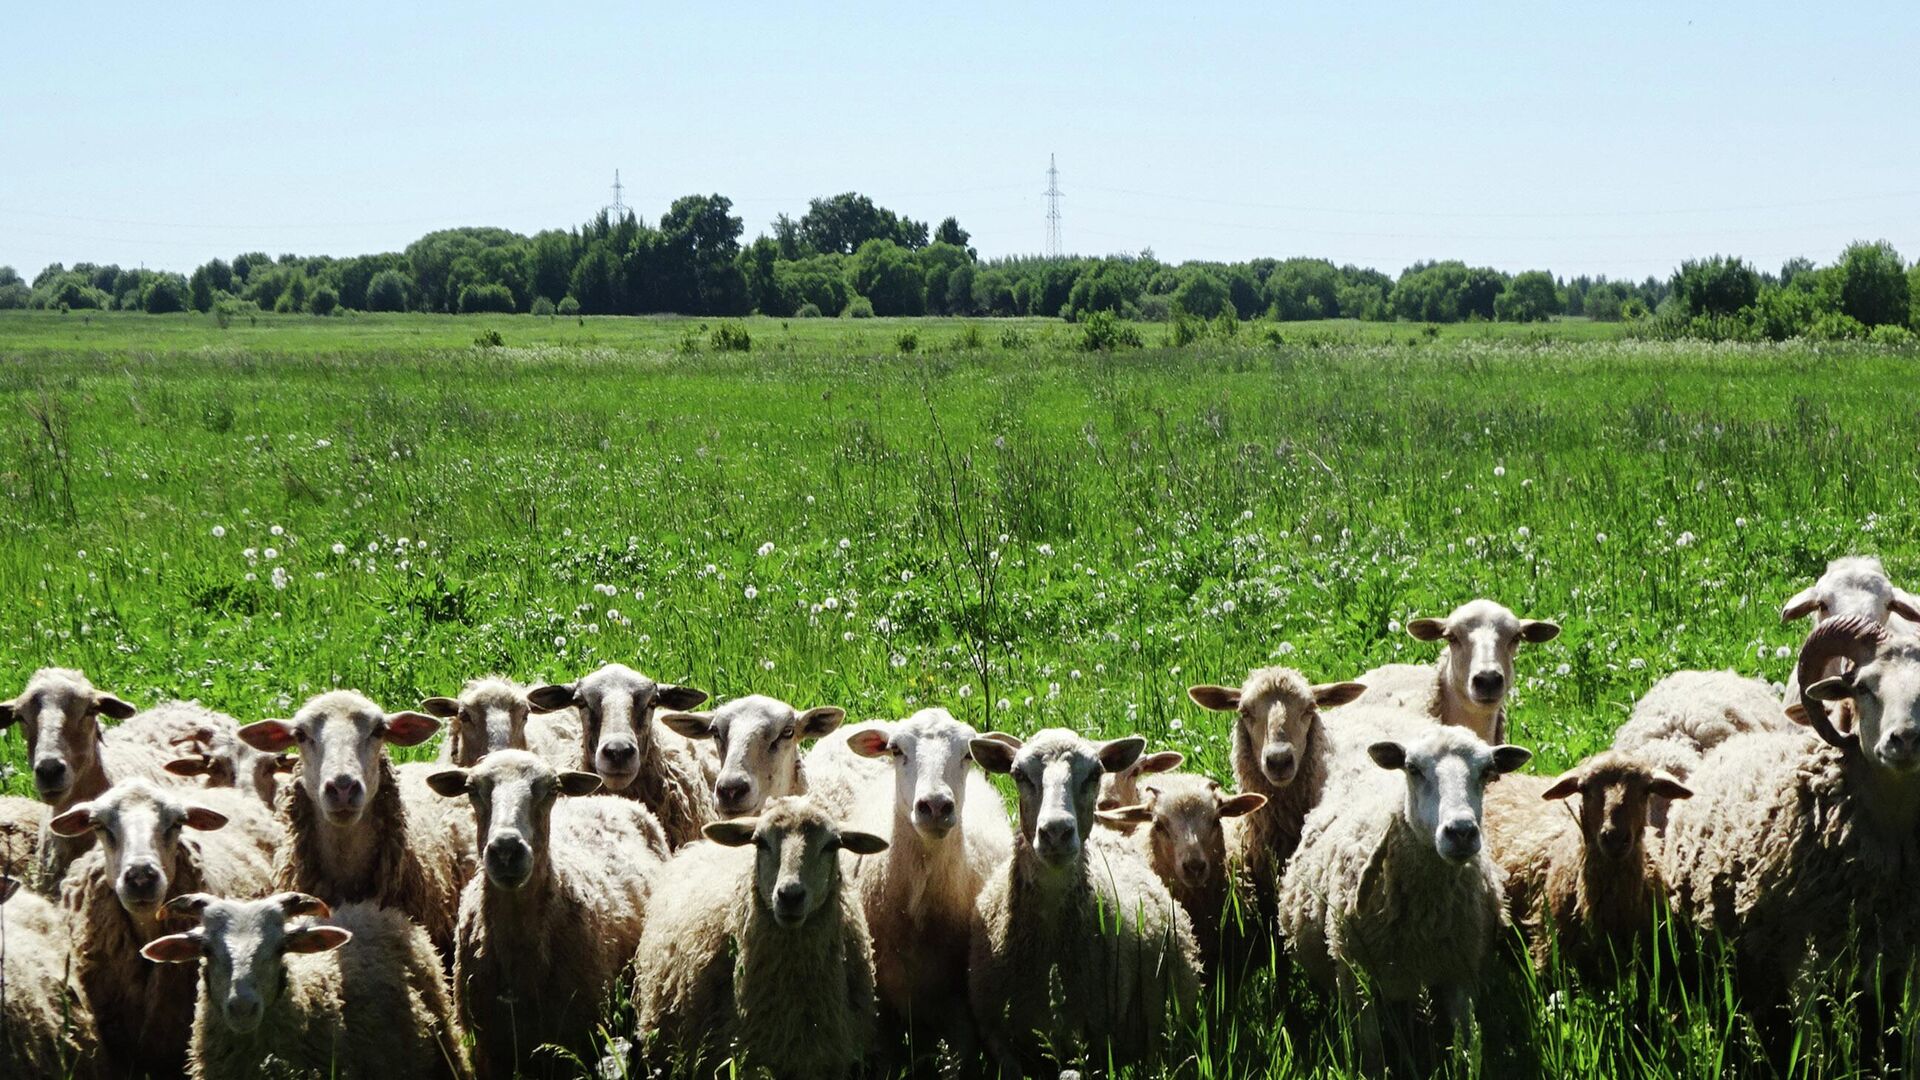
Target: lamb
[(215, 753), (493, 713), (546, 930), (758, 739), (114, 895), (1582, 882), (946, 829), (46, 1028), (1187, 846), (1800, 851), (761, 955), (356, 992), (1282, 750), (353, 833), (1854, 585), (1391, 880), (635, 757), (1686, 715), (1468, 687), (1074, 945)]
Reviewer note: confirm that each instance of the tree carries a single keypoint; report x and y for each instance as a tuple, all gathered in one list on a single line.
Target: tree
[(200, 289), (1720, 285), (938, 262), (598, 283), (390, 290), (1099, 289), (844, 222), (950, 232), (1873, 287), (324, 300), (1202, 296), (1529, 297), (701, 241), (164, 295), (758, 261), (1304, 289), (886, 273), (480, 299)]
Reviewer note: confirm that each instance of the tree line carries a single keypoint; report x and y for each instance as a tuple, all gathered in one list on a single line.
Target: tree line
[(847, 256)]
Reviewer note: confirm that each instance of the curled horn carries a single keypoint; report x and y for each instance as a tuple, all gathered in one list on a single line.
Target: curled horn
[(1851, 638)]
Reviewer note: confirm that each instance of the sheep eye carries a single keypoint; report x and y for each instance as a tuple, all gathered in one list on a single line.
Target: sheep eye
[(784, 735), (300, 735)]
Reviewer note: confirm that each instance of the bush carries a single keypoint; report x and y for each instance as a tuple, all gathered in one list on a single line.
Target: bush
[(1530, 297), (1718, 286), (1889, 334), (164, 297), (569, 306), (731, 337), (1012, 340), (1780, 314), (489, 339), (1154, 307), (1186, 330), (324, 301), (389, 291), (1873, 284), (1834, 326), (1202, 296), (486, 299), (1102, 331), (908, 341), (807, 311), (971, 338), (542, 306), (858, 308)]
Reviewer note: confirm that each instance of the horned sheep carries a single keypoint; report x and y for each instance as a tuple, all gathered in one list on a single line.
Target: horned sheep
[(1854, 585)]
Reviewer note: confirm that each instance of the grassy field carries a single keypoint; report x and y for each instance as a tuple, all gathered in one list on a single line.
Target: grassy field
[(1024, 533)]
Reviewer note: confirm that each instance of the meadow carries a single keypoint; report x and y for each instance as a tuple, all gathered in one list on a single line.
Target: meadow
[(995, 521)]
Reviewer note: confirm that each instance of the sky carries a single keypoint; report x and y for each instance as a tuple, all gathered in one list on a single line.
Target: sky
[(1609, 139)]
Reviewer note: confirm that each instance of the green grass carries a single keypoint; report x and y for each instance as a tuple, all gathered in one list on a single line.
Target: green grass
[(1026, 534)]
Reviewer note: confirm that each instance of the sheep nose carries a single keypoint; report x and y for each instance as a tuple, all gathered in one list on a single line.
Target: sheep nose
[(1194, 869), (343, 790), (619, 754), (50, 773), (1462, 836), (1901, 745), (733, 791), (243, 1010), (1487, 685), (790, 897), (1613, 841), (1059, 834), (141, 879), (1278, 763), (934, 809), (509, 858)]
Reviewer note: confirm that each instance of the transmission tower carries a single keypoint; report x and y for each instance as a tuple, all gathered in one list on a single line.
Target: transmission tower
[(617, 209), (1053, 194)]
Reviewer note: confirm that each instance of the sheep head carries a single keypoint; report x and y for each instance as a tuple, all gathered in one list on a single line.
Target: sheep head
[(796, 869), (1615, 790), (1482, 637), (1447, 772), (759, 741), (1879, 683), (243, 942), (59, 713), (1277, 711)]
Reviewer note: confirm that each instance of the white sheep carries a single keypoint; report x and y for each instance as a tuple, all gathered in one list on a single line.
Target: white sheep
[(1468, 686), (495, 713), (154, 843), (1685, 715), (359, 829), (554, 918), (1854, 585), (1392, 882), (1077, 948), (46, 1028), (214, 752), (21, 823), (1122, 789), (623, 741), (290, 988), (1580, 879), (758, 739), (760, 955)]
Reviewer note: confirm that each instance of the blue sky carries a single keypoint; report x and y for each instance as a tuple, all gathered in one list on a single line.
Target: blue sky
[(1611, 139)]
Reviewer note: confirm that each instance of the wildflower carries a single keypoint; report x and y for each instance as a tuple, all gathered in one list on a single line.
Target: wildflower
[(766, 665), (1563, 670), (1739, 523), (845, 543), (1175, 724), (966, 690), (80, 554), (250, 553), (751, 593), (322, 443), (1246, 515), (1685, 539), (1393, 626), (279, 577), (1074, 674), (219, 531), (1046, 550), (339, 548), (1316, 538), (1003, 704), (251, 576), (277, 531), (1227, 606), (1781, 652), (766, 549), (906, 576), (1523, 532), (1285, 649), (271, 554), (898, 661), (1599, 538), (1636, 664), (809, 500), (830, 603), (1499, 470), (559, 641)]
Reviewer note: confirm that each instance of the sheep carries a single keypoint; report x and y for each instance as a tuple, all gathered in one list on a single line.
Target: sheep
[(1800, 850), (760, 955), (21, 823), (114, 895), (635, 757), (946, 828), (1187, 846), (1580, 881), (215, 753), (1282, 750), (1852, 585), (547, 928), (288, 987), (357, 828), (46, 1028), (1074, 945), (1468, 686), (1391, 880), (1122, 789), (758, 739), (1686, 715), (493, 713)]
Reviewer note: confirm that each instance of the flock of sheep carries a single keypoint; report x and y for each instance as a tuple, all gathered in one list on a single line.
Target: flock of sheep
[(194, 896)]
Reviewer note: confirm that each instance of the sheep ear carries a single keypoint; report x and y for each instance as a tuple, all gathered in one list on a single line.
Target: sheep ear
[(1162, 762), (1388, 755), (452, 783), (820, 720), (1507, 758), (72, 823), (579, 783), (188, 766), (298, 903), (1831, 688), (1427, 629), (1797, 713), (691, 725), (205, 819), (173, 949), (8, 886), (1566, 786), (681, 698), (1007, 737), (991, 754), (552, 696), (1217, 698), (317, 939), (108, 705), (1329, 695), (870, 742), (271, 736), (187, 905), (410, 728), (1667, 787), (1906, 605), (1127, 815), (861, 843), (1116, 754), (443, 707), (736, 833), (1800, 604), (1242, 805), (1538, 631), (283, 762)]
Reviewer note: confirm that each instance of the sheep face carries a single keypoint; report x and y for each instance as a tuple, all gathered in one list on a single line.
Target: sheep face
[(1276, 711), (1885, 692), (243, 942), (1447, 772), (489, 715), (616, 706), (1855, 586), (1614, 790), (796, 868), (223, 761), (139, 828), (341, 737), (1188, 838), (930, 755), (759, 743), (1122, 789), (59, 713), (513, 793), (1057, 775), (1481, 638)]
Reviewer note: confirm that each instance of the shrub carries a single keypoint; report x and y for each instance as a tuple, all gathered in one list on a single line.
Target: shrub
[(1873, 284), (484, 299), (1154, 307), (908, 341), (1186, 330), (389, 291), (489, 339), (1835, 326), (1102, 331), (1202, 295), (542, 306), (324, 301), (1718, 286), (1889, 334), (569, 306), (807, 311), (858, 308), (1012, 339), (1530, 297), (731, 337), (164, 297), (971, 338)]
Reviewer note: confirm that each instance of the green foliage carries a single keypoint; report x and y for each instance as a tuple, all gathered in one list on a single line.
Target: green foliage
[(907, 341), (858, 308), (165, 295), (1444, 292), (950, 232), (1529, 297), (480, 299), (886, 274), (1717, 286), (1103, 331), (324, 300), (389, 290), (489, 339), (569, 306), (731, 337), (1872, 284), (843, 224), (1201, 296), (807, 311), (542, 306)]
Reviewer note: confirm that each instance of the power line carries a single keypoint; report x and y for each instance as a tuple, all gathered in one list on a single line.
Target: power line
[(1545, 215), (1053, 194)]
